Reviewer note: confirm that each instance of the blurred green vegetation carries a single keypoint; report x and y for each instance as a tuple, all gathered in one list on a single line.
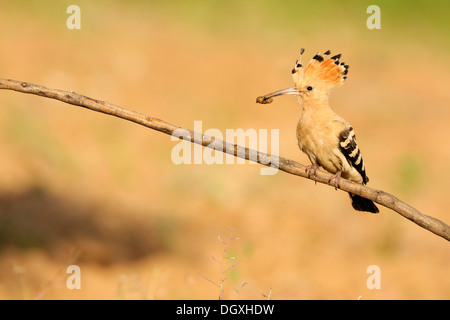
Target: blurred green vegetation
[(416, 14), (411, 172), (28, 132), (411, 20)]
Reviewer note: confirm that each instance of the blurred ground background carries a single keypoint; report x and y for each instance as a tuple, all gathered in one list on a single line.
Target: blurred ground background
[(82, 188)]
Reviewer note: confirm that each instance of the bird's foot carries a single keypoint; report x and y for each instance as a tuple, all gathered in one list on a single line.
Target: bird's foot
[(337, 179), (311, 170)]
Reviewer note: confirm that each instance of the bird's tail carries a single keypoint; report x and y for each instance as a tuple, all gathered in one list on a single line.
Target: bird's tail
[(362, 204)]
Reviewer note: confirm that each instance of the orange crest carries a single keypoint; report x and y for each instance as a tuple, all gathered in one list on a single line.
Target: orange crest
[(320, 72)]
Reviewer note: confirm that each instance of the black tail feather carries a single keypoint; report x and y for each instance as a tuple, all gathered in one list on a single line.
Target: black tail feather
[(363, 204)]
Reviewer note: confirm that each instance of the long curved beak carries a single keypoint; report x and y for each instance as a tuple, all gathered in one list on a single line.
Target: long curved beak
[(268, 97)]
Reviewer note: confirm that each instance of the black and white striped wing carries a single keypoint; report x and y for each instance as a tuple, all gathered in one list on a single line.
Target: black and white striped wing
[(349, 147)]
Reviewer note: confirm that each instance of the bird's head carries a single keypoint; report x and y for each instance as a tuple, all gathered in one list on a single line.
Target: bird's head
[(315, 80)]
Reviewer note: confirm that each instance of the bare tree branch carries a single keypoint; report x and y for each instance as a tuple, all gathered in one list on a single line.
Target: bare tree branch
[(383, 198)]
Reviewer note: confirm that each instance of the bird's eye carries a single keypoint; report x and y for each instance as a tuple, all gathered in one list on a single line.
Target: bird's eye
[(309, 88)]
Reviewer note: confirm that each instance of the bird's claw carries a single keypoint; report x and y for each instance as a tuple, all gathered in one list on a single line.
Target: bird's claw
[(337, 180), (311, 170)]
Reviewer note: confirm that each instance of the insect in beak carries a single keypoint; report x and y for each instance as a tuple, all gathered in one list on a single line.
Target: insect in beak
[(268, 98)]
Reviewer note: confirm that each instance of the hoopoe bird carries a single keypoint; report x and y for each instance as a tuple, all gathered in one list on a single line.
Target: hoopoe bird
[(327, 139)]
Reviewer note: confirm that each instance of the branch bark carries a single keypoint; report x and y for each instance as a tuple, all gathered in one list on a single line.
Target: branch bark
[(289, 166)]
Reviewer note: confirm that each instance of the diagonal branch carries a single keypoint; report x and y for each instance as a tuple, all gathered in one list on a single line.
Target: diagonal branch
[(383, 198)]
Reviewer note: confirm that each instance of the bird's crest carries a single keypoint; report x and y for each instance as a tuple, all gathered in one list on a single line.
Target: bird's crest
[(322, 71)]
